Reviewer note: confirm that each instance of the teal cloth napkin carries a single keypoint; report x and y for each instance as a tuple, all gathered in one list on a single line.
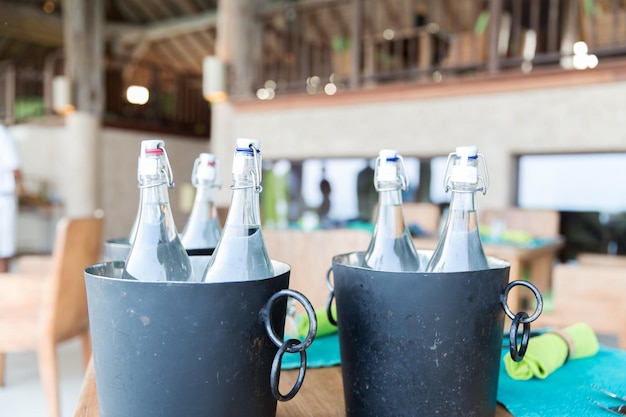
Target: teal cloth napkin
[(567, 391), (324, 351)]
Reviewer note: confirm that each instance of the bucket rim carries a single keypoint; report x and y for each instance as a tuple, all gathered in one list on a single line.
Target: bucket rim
[(347, 260), (280, 269)]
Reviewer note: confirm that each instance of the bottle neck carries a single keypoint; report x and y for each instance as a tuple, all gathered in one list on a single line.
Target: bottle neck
[(204, 208), (155, 208), (390, 219), (244, 207), (462, 213), (390, 197), (391, 247), (463, 199), (459, 248), (205, 196)]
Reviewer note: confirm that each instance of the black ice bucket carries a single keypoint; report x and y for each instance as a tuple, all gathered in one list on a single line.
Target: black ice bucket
[(190, 349), (422, 344), (116, 249)]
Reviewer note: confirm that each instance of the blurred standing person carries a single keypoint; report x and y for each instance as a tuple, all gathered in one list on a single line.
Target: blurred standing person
[(367, 196), (10, 180), (324, 209)]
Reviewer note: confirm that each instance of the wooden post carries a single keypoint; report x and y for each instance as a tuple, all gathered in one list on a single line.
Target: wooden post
[(238, 44), (83, 30), (357, 36), (83, 27), (9, 94), (495, 12)]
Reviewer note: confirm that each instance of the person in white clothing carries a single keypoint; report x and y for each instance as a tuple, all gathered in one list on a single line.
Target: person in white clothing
[(10, 180)]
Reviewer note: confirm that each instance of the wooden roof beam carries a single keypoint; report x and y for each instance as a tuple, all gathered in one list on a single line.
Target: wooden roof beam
[(140, 39), (162, 30)]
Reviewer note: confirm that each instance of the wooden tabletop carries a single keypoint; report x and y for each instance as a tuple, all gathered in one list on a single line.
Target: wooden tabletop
[(321, 395)]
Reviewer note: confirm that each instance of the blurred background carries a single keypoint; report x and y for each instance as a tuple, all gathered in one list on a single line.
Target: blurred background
[(324, 84)]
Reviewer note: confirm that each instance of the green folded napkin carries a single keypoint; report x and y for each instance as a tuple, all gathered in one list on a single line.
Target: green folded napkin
[(548, 352), (324, 327)]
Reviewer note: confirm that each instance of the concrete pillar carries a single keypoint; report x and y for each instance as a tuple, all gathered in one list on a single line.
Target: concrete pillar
[(79, 185)]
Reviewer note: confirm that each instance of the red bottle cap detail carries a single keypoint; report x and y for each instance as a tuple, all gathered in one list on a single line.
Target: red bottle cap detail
[(154, 152)]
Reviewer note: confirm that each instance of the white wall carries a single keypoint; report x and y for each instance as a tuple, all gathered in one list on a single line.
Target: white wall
[(583, 118), (43, 154)]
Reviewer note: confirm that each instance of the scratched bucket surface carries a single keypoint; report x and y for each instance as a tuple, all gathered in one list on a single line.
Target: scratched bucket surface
[(183, 349), (419, 344)]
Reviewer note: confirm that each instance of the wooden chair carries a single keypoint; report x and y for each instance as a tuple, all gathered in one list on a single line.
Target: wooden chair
[(589, 293), (601, 259), (537, 223), (310, 254), (40, 310)]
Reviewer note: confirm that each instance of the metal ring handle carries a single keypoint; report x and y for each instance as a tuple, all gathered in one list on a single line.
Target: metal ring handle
[(535, 291), (328, 283), (329, 311), (517, 354), (266, 314), (331, 297), (275, 373)]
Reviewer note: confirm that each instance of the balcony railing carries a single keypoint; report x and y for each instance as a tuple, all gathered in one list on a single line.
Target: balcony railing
[(176, 104), (320, 46)]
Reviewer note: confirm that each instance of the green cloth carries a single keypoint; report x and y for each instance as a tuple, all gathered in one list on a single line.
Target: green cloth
[(548, 352), (324, 327)]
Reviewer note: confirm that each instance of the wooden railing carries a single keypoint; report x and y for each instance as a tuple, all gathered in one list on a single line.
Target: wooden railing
[(21, 93), (175, 106), (319, 46), (176, 103)]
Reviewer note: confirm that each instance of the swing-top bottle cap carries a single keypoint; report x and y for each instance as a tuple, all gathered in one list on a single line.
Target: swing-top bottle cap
[(387, 170), (388, 154), (248, 148), (152, 147), (206, 166), (245, 143), (464, 166), (469, 151), (148, 163)]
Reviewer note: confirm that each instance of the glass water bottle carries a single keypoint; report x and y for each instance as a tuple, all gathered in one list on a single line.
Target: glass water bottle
[(241, 254), (203, 229), (459, 248), (156, 253), (391, 247)]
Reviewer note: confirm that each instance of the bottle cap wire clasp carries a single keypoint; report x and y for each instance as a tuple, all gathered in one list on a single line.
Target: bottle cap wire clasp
[(465, 173), (388, 174), (256, 172), (166, 168), (169, 173), (206, 168)]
